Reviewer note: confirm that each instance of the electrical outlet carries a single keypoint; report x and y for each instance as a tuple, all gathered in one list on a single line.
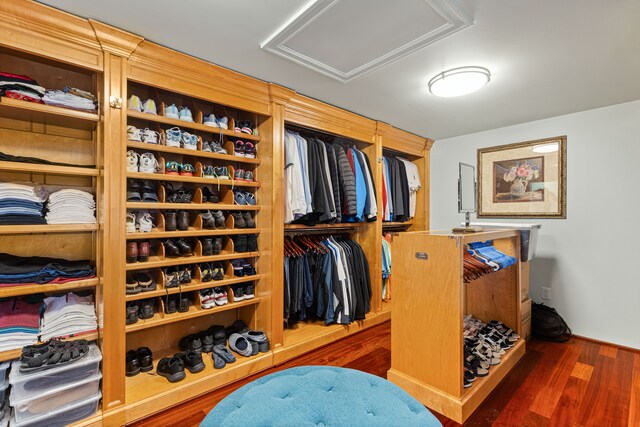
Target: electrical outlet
[(546, 293)]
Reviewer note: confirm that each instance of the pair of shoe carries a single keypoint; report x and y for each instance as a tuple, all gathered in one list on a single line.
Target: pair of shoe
[(145, 192), (179, 247), (175, 137), (243, 175), (183, 113), (140, 282), (243, 220), (145, 162), (244, 149), (176, 220), (211, 245), (143, 135), (257, 339), (209, 196), (243, 292), (211, 297), (211, 271), (176, 168), (213, 147), (244, 126), (176, 303), (140, 360), (216, 122), (242, 197), (134, 103), (52, 353), (213, 220), (181, 195), (172, 368), (141, 221), (242, 268), (218, 172), (142, 309), (176, 276), (138, 251), (245, 243)]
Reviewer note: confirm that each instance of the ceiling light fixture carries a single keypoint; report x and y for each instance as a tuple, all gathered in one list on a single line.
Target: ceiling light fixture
[(459, 81), (545, 148)]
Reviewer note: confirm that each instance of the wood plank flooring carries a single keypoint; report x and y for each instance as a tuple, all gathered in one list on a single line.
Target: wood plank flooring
[(579, 383)]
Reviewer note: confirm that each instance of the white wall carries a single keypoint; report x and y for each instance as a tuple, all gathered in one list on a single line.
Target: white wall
[(591, 260)]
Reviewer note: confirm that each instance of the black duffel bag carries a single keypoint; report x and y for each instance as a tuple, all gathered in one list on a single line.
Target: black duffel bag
[(548, 325)]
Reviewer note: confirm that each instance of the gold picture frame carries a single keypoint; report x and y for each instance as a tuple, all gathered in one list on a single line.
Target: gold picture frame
[(523, 180)]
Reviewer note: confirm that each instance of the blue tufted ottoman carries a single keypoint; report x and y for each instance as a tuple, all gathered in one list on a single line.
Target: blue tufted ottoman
[(311, 396)]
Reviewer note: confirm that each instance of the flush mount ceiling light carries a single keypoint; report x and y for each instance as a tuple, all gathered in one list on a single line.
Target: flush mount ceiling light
[(545, 148), (459, 81)]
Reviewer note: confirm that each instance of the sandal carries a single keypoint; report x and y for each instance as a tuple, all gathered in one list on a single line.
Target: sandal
[(146, 282), (133, 287), (224, 353), (51, 354)]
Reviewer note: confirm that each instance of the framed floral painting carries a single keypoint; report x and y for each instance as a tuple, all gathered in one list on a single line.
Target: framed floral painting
[(523, 180)]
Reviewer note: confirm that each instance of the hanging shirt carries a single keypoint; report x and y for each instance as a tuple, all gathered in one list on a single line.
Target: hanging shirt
[(413, 181), (295, 203)]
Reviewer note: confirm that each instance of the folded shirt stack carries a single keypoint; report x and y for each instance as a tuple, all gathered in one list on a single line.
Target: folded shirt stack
[(17, 270), (68, 315), (19, 322), (20, 87), (59, 98), (71, 206), (19, 204)]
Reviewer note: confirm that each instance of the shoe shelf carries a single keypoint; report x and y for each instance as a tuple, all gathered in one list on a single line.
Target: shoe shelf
[(14, 291), (194, 286), (48, 228), (47, 114), (48, 169), (190, 179), (195, 153), (195, 310), (157, 261), (158, 118), (16, 353), (192, 206), (143, 388), (191, 232)]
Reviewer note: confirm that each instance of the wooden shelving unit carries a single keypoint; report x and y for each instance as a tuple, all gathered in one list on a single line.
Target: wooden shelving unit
[(192, 232), (192, 153), (428, 317), (192, 206), (47, 114), (14, 291), (156, 261), (190, 179), (48, 228)]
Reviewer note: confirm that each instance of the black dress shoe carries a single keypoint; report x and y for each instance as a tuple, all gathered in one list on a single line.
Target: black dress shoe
[(183, 220), (184, 247), (132, 363), (239, 243), (252, 243), (170, 248), (207, 246), (145, 356), (170, 222)]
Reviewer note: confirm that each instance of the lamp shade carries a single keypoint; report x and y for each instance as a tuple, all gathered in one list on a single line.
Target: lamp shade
[(459, 81)]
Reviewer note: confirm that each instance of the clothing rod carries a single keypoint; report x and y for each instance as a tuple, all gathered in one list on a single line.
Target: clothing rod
[(325, 230)]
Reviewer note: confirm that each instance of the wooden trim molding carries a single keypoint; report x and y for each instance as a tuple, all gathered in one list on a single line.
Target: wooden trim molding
[(165, 68), (115, 40), (42, 30), (403, 141)]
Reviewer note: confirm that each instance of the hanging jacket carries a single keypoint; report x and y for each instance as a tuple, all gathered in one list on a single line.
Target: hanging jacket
[(347, 181)]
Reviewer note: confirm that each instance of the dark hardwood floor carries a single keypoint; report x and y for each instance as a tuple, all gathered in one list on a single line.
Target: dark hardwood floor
[(578, 383)]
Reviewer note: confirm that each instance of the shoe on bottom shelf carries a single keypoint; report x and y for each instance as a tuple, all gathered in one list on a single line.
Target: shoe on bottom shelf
[(206, 338), (132, 364), (190, 343), (240, 345), (192, 361), (172, 368), (224, 353), (218, 333), (258, 337)]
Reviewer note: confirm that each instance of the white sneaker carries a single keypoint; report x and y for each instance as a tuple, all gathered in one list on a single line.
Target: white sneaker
[(207, 299), (145, 223), (133, 159), (149, 107), (148, 163), (189, 141), (150, 136), (173, 137), (131, 222), (133, 134), (220, 296), (210, 120), (134, 103)]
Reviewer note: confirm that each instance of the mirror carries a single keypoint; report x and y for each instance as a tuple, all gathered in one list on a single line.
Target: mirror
[(466, 188)]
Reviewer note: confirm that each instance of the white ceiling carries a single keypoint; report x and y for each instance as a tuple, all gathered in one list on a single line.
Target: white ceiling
[(547, 57)]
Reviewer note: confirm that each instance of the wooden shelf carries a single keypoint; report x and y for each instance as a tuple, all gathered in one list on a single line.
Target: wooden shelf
[(144, 389), (188, 125), (48, 228), (192, 206), (47, 114), (341, 225), (193, 153), (190, 179), (16, 353), (394, 224), (155, 261), (193, 286), (48, 169), (194, 311), (191, 233), (14, 291)]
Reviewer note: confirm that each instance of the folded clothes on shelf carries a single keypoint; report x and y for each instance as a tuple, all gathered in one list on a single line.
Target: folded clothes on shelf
[(68, 315), (20, 87), (17, 270), (19, 204), (71, 206), (19, 321), (59, 98)]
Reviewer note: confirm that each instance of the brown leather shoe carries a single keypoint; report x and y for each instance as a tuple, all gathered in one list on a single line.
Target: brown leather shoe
[(132, 251), (143, 251), (169, 221), (183, 220)]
